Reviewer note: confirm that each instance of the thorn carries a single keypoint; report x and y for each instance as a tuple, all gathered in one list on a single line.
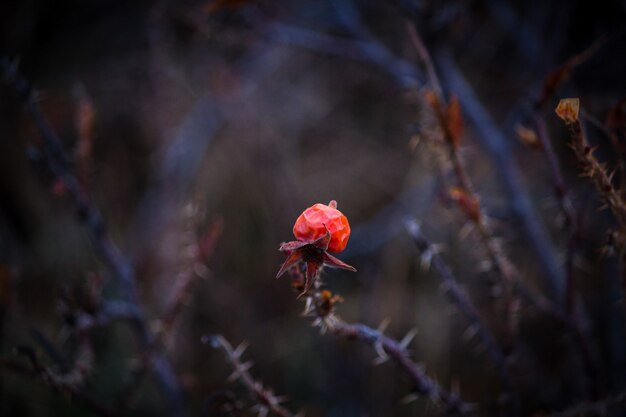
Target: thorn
[(240, 349), (380, 350), (379, 360), (383, 325), (245, 366), (425, 259), (469, 333), (408, 399), (233, 377), (280, 400), (407, 338), (308, 306)]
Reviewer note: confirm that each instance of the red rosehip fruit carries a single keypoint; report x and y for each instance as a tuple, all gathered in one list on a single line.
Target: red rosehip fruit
[(313, 222)]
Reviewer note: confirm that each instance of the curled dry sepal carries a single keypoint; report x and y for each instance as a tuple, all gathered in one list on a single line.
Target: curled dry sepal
[(320, 229)]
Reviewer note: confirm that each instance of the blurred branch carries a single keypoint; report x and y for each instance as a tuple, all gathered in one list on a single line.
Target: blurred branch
[(54, 159), (498, 149), (450, 120), (358, 47), (600, 408), (61, 383), (565, 204), (461, 300), (198, 252)]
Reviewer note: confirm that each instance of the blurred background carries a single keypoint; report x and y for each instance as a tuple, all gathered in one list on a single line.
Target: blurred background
[(180, 114)]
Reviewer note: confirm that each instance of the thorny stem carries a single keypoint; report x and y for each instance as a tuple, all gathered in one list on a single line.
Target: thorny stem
[(513, 281), (320, 306), (597, 172), (53, 158), (572, 230), (550, 85), (265, 398), (462, 301), (423, 385), (494, 250)]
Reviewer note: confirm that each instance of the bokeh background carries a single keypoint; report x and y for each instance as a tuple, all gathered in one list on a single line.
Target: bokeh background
[(234, 108)]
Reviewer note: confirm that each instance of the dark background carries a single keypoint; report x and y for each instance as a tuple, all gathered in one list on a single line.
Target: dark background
[(210, 106)]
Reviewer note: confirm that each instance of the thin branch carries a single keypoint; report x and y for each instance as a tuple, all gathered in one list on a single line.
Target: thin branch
[(461, 300), (320, 306), (266, 400), (565, 204), (449, 118), (422, 384)]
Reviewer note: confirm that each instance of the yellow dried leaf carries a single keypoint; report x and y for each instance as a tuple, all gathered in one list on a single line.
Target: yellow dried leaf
[(568, 109)]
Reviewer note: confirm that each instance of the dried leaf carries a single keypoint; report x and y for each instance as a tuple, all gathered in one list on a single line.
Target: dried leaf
[(528, 137), (454, 119), (568, 109)]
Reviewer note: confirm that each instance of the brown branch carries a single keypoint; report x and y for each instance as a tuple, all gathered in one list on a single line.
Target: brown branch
[(319, 305), (568, 110)]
